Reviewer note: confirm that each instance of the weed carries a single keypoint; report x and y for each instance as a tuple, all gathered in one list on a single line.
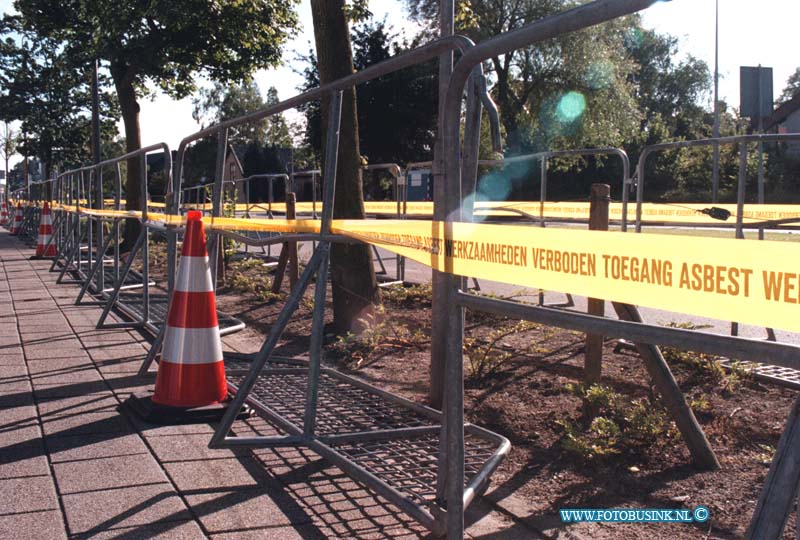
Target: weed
[(484, 357), (411, 296), (259, 285), (621, 425), (378, 333)]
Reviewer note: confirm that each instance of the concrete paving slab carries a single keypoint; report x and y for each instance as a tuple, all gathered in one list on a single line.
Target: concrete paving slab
[(118, 352), (99, 512), (77, 374), (89, 447), (44, 352), (15, 358), (23, 458), (188, 447), (18, 416), (229, 473), (55, 366), (107, 473), (33, 526), (57, 342), (165, 530), (16, 399), (14, 386), (10, 374), (223, 511), (91, 403), (31, 494), (301, 532), (54, 391), (86, 424), (128, 365)]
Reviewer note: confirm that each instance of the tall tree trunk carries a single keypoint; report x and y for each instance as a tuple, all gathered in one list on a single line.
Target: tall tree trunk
[(508, 113), (355, 290), (123, 82)]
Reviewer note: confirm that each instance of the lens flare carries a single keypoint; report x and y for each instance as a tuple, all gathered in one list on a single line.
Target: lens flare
[(599, 75), (471, 201), (634, 38), (495, 186), (570, 107)]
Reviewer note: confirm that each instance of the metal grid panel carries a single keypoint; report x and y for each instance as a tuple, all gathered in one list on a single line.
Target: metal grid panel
[(408, 464), (133, 280), (243, 362), (411, 465), (343, 407), (773, 374), (134, 303)]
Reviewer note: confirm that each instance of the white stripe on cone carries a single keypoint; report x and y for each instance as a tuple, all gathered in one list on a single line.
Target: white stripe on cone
[(192, 345), (193, 275)]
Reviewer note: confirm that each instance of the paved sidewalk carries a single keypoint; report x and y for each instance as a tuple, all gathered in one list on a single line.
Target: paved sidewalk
[(71, 466)]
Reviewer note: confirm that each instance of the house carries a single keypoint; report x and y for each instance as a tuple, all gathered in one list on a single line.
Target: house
[(786, 119), (234, 171)]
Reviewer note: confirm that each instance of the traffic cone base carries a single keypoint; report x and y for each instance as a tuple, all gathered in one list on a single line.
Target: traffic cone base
[(143, 406)]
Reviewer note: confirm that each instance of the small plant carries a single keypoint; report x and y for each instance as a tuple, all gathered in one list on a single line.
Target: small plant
[(707, 366), (408, 296), (484, 356), (619, 425), (245, 280), (378, 333)]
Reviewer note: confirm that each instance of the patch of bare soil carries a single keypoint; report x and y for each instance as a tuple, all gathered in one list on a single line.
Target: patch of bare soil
[(523, 381)]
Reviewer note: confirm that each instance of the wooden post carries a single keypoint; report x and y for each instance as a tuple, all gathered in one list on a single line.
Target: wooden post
[(780, 488), (598, 221), (294, 268), (671, 395), (288, 254)]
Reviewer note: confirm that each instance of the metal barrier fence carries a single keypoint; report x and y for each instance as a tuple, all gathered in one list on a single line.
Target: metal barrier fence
[(430, 464), (317, 414), (741, 140)]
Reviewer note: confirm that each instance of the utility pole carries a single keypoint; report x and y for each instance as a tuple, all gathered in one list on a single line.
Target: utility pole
[(440, 307), (96, 135), (715, 176)]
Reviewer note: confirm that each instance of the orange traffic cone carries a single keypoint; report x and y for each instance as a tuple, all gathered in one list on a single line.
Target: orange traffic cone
[(44, 247), (17, 224), (3, 213), (190, 383), (191, 372)]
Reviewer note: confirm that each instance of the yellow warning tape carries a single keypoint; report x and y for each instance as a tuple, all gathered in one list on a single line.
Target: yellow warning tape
[(651, 212), (756, 282), (753, 282)]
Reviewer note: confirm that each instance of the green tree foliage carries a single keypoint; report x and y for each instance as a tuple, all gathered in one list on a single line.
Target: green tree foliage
[(792, 87), (224, 101), (571, 91), (50, 96), (9, 140), (396, 113), (166, 44), (668, 93), (257, 143)]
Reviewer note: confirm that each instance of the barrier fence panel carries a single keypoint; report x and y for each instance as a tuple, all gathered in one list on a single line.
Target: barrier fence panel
[(320, 419), (432, 464)]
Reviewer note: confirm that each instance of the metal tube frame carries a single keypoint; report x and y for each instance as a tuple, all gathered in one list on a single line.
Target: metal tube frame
[(739, 139)]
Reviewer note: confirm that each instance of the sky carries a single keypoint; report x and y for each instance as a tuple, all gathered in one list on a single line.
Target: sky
[(750, 33)]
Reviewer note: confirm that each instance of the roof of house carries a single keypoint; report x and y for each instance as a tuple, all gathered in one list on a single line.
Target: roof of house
[(233, 151), (783, 112)]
